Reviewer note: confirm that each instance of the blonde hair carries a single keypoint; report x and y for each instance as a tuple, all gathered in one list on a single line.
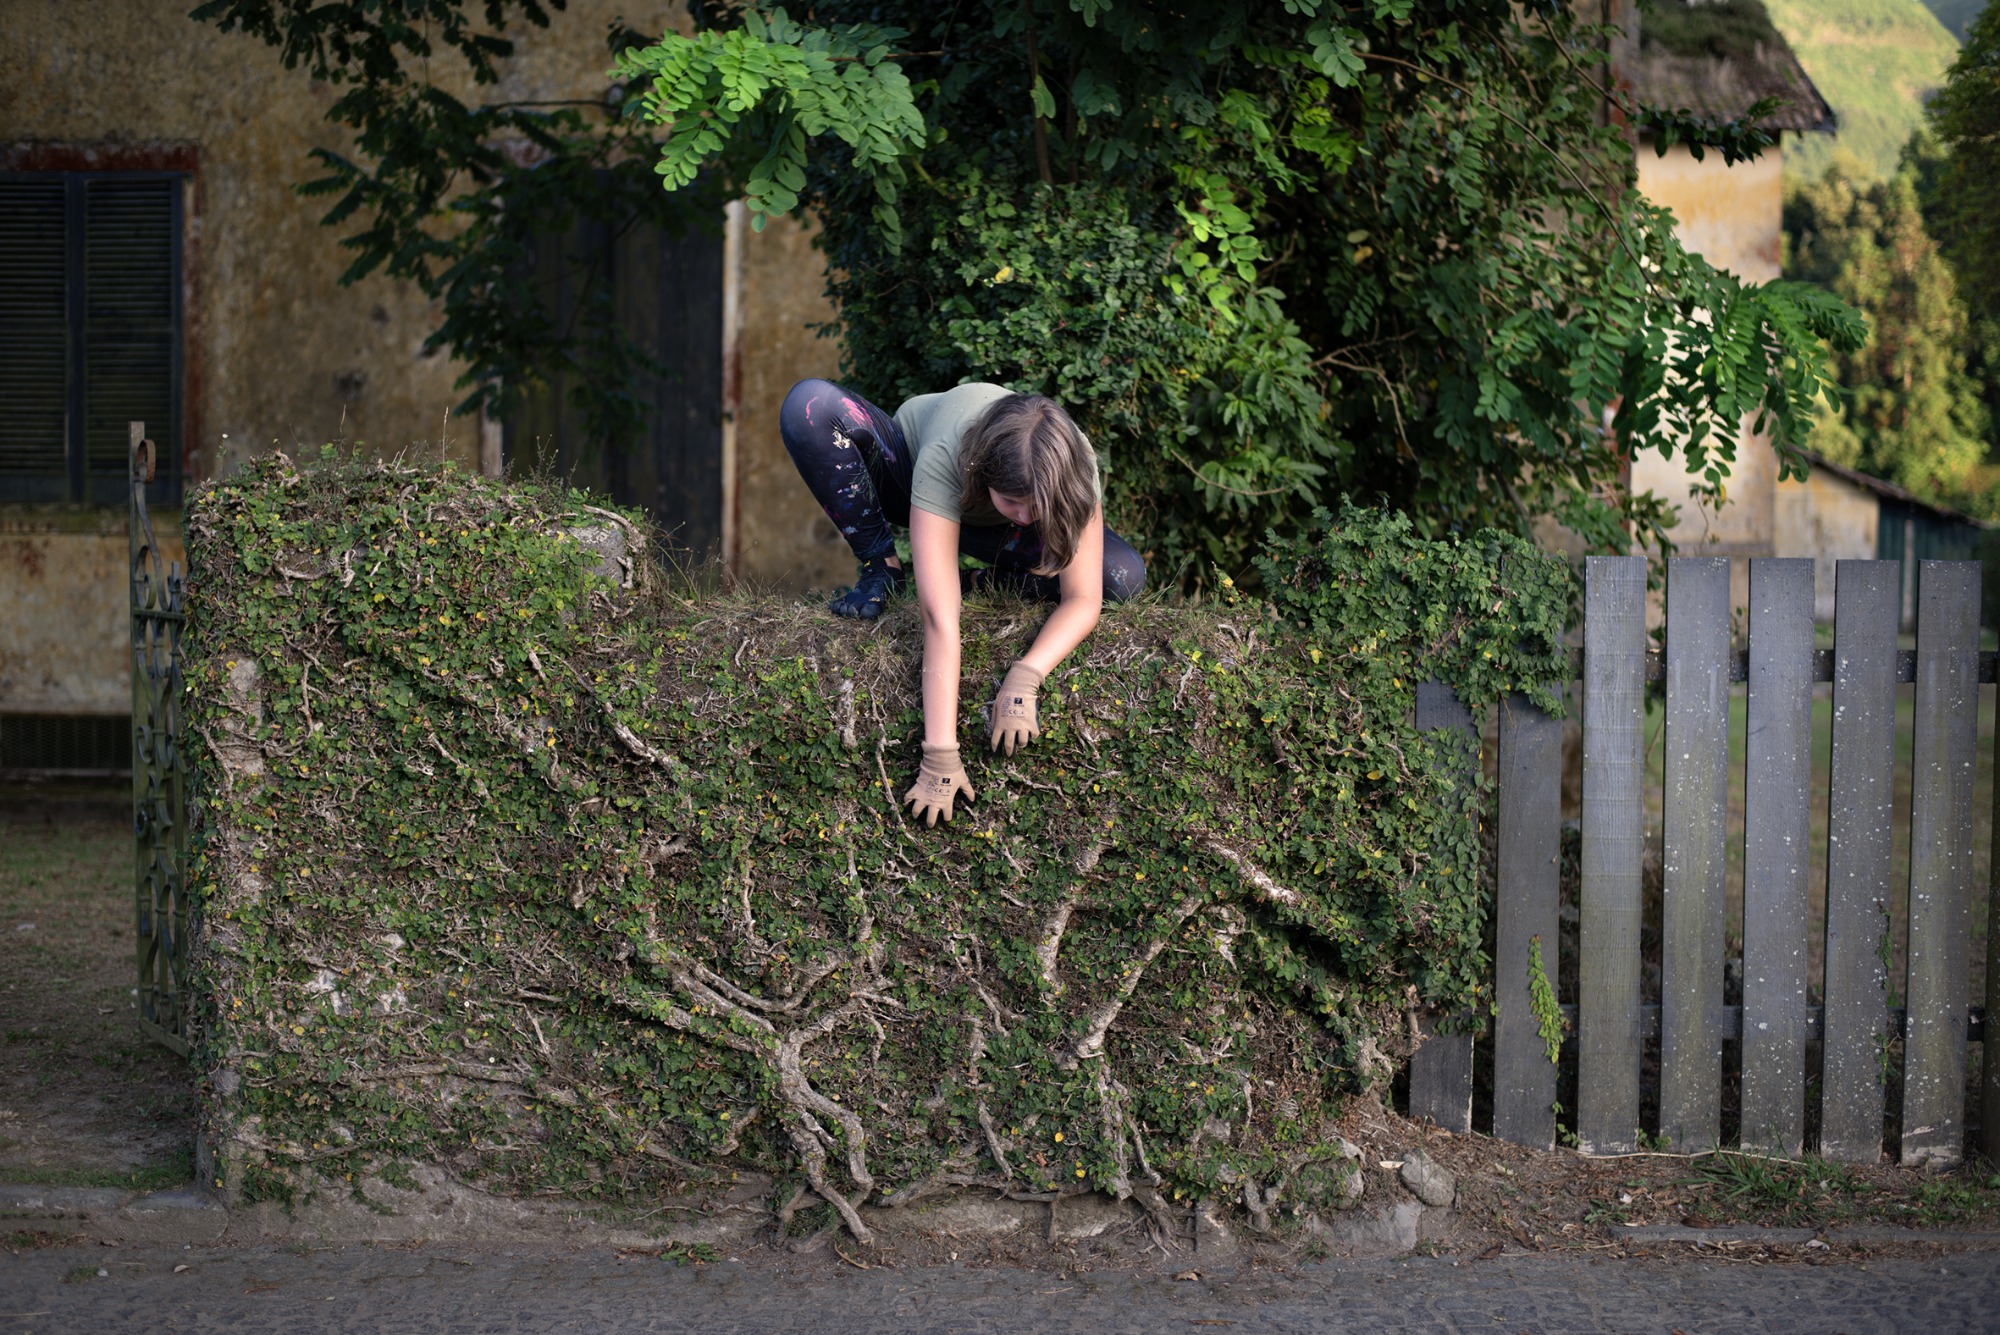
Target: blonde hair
[(1026, 447)]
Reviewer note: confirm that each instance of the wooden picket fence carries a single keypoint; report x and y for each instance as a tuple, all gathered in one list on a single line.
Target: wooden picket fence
[(1855, 1025)]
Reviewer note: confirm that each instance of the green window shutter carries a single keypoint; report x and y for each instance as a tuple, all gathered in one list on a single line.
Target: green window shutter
[(34, 339), (131, 331)]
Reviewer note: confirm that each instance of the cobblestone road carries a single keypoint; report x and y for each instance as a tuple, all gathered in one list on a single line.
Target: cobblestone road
[(443, 1289)]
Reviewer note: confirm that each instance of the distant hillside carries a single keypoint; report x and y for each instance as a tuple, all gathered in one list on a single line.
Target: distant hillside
[(1956, 15), (1873, 61)]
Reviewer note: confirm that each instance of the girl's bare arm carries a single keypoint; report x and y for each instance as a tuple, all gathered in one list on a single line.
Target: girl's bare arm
[(934, 553), (1082, 586)]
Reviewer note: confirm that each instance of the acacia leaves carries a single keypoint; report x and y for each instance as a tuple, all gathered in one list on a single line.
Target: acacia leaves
[(779, 84)]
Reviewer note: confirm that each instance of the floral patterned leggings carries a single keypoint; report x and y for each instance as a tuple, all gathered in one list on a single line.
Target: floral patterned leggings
[(855, 461)]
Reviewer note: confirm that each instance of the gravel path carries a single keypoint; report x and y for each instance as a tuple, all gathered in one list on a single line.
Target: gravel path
[(442, 1289)]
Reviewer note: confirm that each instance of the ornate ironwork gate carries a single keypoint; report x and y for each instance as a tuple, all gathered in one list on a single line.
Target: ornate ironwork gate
[(159, 768)]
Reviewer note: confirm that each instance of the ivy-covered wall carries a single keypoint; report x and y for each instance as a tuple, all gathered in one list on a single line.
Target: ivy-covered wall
[(520, 857)]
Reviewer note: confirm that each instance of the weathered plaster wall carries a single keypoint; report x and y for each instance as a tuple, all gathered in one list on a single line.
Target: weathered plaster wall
[(281, 352), (784, 540), (1829, 519), (65, 630), (1729, 215)]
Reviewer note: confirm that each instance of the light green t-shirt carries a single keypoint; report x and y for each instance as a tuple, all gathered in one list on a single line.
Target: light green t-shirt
[(933, 426)]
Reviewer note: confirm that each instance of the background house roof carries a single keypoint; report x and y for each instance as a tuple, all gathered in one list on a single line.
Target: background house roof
[(1889, 491), (1718, 58)]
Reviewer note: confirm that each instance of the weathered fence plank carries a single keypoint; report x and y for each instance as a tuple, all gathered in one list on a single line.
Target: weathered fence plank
[(1947, 716), (1989, 1060), (1867, 608), (1527, 923), (1693, 857), (1441, 1070), (1777, 780), (1608, 964)]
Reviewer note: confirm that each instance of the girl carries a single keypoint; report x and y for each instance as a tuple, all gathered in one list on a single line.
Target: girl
[(1006, 478)]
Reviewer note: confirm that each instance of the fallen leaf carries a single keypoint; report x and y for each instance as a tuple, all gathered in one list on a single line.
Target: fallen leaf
[(1391, 1165), (179, 1268), (1491, 1252), (1188, 1274)]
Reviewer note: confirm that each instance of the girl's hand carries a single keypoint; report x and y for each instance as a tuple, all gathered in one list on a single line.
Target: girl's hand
[(938, 785), (1014, 718)]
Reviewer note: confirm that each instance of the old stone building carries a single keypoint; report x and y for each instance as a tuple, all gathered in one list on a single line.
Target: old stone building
[(156, 263)]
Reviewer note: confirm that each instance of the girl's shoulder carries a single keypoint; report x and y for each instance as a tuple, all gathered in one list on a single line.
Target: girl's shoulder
[(944, 416)]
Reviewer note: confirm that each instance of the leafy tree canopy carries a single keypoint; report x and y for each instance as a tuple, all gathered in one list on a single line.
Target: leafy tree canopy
[(1911, 411), (1959, 186), (1266, 250)]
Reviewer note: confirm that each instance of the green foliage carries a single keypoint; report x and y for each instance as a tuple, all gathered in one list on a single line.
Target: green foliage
[(1875, 62), (774, 81), (1722, 29), (1910, 410), (1741, 139), (1958, 184), (603, 890), (454, 196), (1542, 998), (1266, 253)]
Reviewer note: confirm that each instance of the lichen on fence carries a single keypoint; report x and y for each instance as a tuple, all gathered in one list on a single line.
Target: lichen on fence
[(521, 856)]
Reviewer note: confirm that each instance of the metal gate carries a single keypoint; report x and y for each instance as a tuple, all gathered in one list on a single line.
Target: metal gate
[(159, 768)]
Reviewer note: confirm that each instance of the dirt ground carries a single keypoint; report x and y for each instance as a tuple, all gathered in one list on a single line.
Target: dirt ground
[(85, 1098)]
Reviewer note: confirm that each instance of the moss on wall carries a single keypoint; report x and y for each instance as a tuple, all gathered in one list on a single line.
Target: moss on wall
[(518, 857)]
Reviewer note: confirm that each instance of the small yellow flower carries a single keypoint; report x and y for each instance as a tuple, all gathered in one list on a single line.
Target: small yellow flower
[(1079, 1172), (1058, 1137), (1138, 876)]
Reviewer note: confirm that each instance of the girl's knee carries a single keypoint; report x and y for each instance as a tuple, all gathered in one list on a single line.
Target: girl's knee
[(1124, 576), (800, 400), (803, 419)]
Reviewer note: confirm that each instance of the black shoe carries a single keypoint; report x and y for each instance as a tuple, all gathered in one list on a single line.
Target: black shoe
[(877, 583)]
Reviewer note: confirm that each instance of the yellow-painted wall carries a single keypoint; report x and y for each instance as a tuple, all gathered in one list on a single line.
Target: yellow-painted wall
[(1829, 519), (65, 628)]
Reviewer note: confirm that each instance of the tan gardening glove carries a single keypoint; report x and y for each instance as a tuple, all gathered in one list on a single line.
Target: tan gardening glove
[(1014, 720), (938, 785)]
